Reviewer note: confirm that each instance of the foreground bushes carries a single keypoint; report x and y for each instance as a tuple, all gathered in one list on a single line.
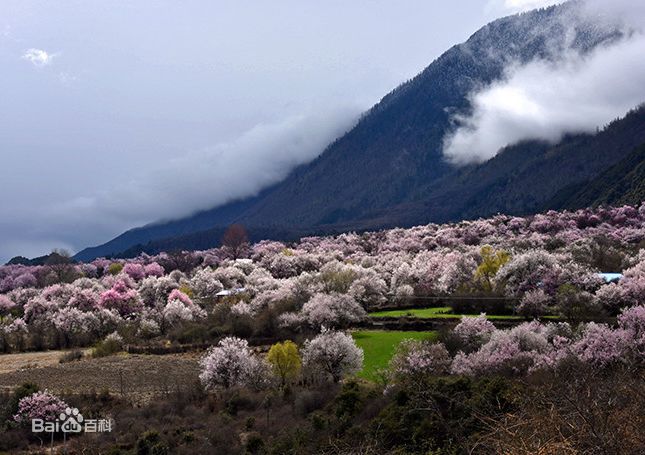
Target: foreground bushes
[(574, 408)]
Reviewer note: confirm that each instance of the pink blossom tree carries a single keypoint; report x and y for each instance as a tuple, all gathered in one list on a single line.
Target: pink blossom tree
[(6, 305), (600, 345), (513, 351), (415, 360), (181, 308), (85, 300), (534, 303), (205, 283), (121, 298), (134, 270), (40, 405), (474, 331), (632, 320), (153, 269)]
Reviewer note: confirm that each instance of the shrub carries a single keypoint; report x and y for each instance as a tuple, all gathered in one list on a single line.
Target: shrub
[(112, 344), (150, 443), (254, 443), (115, 268), (308, 401), (71, 356), (22, 391)]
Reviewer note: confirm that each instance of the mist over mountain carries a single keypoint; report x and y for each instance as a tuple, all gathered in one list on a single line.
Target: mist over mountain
[(396, 167)]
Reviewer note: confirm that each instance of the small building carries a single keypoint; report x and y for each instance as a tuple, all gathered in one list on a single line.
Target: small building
[(229, 292), (611, 277)]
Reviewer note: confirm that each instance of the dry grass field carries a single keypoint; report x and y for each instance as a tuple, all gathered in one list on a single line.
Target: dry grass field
[(132, 375)]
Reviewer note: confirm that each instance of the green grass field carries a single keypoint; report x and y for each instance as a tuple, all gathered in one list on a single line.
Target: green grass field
[(379, 346), (432, 313)]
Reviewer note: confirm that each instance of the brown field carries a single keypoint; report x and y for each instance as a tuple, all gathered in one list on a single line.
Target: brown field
[(133, 375)]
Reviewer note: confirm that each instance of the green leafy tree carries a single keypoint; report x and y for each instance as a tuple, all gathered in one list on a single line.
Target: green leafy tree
[(285, 360), (491, 262), (115, 268)]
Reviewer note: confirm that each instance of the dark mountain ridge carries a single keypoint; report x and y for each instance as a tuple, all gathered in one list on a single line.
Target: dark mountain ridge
[(389, 169)]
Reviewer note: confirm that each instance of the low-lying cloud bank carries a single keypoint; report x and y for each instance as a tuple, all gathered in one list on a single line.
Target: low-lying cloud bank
[(199, 180), (214, 176), (544, 100)]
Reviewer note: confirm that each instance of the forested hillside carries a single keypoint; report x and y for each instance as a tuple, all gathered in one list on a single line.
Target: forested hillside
[(623, 183)]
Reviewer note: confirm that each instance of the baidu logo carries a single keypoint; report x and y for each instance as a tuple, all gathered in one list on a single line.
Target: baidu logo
[(71, 421)]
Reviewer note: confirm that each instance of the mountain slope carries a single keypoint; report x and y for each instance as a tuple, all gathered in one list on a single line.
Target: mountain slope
[(380, 172), (523, 178), (580, 171), (623, 183), (397, 147)]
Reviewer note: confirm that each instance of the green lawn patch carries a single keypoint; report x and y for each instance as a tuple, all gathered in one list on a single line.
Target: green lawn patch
[(379, 346), (416, 312), (433, 313)]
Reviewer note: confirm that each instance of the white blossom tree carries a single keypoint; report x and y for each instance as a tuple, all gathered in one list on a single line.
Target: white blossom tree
[(332, 353), (332, 310), (231, 363)]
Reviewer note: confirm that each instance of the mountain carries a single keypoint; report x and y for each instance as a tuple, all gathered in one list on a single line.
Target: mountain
[(582, 170), (623, 183), (389, 169), (524, 178)]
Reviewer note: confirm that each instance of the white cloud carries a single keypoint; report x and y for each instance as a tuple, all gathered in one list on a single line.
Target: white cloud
[(262, 156), (39, 57), (544, 100), (200, 180)]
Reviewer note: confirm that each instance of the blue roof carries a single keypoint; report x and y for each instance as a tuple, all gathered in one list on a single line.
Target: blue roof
[(609, 277)]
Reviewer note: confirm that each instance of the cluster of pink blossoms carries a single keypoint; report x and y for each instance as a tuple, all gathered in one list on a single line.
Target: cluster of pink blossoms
[(40, 405), (532, 345), (553, 267)]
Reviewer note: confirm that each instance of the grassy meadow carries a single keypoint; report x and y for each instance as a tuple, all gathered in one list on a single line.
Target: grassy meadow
[(379, 346)]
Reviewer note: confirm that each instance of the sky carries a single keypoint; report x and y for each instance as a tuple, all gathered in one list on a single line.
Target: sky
[(117, 114)]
